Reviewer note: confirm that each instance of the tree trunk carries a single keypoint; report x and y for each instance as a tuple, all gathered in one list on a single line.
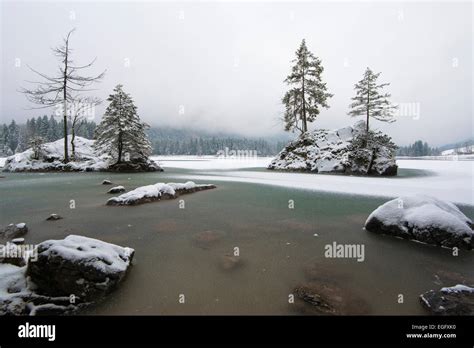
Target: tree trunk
[(371, 163), (66, 154), (120, 147), (73, 146), (305, 125)]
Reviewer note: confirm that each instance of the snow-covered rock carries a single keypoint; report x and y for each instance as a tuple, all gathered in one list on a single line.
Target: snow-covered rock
[(425, 219), (52, 156), (330, 151), (86, 267), (13, 231), (455, 300), (54, 217), (116, 189), (150, 193)]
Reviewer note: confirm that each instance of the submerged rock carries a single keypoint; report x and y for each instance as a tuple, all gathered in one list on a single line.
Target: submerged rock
[(207, 239), (13, 231), (230, 262), (455, 300), (85, 267), (116, 189), (339, 151), (54, 217), (151, 193), (425, 219), (327, 299)]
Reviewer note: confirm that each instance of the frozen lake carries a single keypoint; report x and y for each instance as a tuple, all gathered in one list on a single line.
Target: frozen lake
[(280, 248), (449, 180)]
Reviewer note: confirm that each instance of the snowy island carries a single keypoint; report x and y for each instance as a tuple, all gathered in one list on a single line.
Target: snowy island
[(350, 150), (50, 158)]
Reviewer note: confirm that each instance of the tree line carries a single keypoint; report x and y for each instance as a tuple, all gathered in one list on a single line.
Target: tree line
[(16, 137), (418, 148), (165, 141), (204, 146)]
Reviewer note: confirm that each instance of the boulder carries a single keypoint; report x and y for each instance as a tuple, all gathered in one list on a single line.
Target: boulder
[(85, 267), (106, 182), (341, 151), (13, 231), (116, 189), (12, 253), (151, 193), (327, 298), (54, 217), (455, 300), (425, 219)]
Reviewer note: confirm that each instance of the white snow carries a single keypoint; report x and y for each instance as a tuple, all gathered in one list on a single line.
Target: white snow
[(447, 180), (53, 154), (210, 162), (2, 161), (461, 150), (12, 276), (109, 258), (422, 212), (457, 288), (153, 191), (116, 189)]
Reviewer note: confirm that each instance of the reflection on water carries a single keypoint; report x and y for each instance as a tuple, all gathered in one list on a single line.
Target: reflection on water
[(183, 251)]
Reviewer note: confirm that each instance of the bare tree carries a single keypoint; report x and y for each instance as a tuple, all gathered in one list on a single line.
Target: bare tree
[(59, 90), (79, 110)]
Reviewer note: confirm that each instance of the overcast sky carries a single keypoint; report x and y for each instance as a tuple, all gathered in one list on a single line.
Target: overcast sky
[(222, 64)]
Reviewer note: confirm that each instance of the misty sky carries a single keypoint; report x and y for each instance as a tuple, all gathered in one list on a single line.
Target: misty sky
[(223, 63)]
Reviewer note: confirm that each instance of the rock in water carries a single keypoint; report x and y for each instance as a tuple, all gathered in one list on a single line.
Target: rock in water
[(54, 217), (106, 182), (156, 192), (85, 267), (207, 239), (14, 231), (325, 151), (425, 219), (116, 189), (455, 300), (230, 262), (328, 299)]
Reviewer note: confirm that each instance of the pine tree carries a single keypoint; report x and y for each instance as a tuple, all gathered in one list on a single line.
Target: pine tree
[(13, 131), (121, 132), (52, 134), (369, 101), (303, 101), (22, 139)]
